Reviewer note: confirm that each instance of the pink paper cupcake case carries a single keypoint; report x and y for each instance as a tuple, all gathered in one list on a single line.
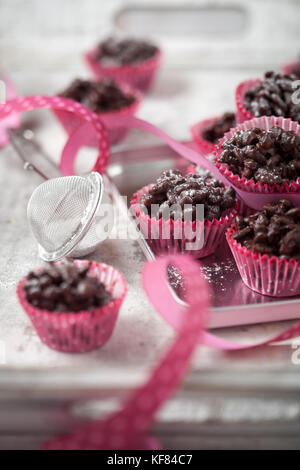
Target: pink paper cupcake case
[(70, 122), (204, 146), (264, 274), (79, 331), (289, 68), (242, 114), (140, 76), (181, 233), (250, 185)]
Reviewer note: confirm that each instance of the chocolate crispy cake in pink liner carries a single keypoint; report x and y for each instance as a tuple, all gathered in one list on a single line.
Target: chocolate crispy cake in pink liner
[(266, 248), (270, 96), (104, 97), (206, 133), (73, 305), (166, 212), (131, 61), (262, 155)]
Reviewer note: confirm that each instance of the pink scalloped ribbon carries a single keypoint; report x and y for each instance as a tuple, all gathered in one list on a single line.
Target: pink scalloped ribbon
[(28, 103), (126, 428)]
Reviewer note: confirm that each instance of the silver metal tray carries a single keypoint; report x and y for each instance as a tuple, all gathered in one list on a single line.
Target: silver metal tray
[(233, 302), (246, 399), (45, 393)]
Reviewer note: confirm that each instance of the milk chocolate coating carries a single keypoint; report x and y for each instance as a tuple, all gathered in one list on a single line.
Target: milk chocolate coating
[(124, 52), (273, 231), (273, 97), (65, 287), (215, 131), (269, 157), (173, 190), (100, 97)]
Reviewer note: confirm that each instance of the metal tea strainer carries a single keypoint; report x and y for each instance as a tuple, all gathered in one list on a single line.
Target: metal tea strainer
[(63, 211), (62, 215)]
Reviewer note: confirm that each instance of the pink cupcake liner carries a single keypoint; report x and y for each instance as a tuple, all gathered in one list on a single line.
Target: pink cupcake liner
[(265, 123), (140, 76), (264, 274), (70, 122), (204, 145), (289, 68), (181, 233), (242, 114), (81, 331)]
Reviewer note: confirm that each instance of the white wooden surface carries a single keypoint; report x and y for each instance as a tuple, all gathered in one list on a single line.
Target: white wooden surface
[(41, 45)]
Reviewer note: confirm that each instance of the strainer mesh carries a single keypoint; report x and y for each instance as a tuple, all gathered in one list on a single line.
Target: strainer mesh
[(58, 210)]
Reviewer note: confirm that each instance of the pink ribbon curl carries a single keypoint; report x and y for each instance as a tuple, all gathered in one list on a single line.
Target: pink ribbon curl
[(76, 140)]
